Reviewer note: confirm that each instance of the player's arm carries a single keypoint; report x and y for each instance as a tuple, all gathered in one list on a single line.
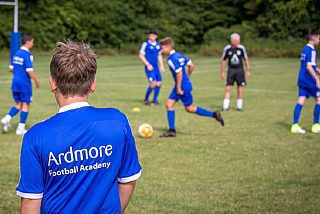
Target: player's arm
[(34, 77), (223, 66), (125, 193), (142, 56), (160, 60), (313, 74), (247, 64), (318, 70), (191, 67), (30, 206), (179, 82)]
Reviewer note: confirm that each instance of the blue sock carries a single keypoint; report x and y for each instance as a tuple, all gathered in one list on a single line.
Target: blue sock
[(297, 112), (156, 94), (13, 111), (171, 119), (23, 116), (148, 92), (204, 112), (316, 114)]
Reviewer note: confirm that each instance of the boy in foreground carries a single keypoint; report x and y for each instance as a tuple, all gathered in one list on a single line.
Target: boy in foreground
[(22, 69), (234, 53), (150, 55), (182, 88), (308, 83), (83, 159)]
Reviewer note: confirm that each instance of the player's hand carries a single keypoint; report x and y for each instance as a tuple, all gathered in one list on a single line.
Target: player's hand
[(222, 76), (37, 81), (179, 91), (149, 67), (248, 74), (162, 69), (318, 70)]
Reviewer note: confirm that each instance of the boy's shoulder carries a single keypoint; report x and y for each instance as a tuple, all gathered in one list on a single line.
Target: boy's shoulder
[(91, 113)]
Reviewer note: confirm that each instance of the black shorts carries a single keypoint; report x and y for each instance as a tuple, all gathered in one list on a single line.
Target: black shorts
[(236, 75)]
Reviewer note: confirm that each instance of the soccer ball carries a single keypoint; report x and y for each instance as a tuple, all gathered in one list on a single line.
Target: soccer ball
[(145, 130)]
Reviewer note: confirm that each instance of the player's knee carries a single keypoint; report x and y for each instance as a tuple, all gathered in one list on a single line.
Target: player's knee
[(190, 109)]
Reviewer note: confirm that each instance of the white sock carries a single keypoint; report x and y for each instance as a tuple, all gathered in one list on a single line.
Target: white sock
[(239, 103), (21, 126), (226, 104), (7, 118)]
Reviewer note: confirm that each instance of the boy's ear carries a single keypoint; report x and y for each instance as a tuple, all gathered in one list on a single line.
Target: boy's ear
[(53, 85), (93, 86)]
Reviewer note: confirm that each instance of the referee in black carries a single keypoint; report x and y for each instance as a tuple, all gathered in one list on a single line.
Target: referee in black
[(234, 53)]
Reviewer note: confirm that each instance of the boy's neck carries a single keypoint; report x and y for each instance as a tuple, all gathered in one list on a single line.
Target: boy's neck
[(63, 101)]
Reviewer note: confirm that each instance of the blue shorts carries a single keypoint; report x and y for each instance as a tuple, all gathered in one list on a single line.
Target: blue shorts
[(186, 98), (154, 75), (309, 92), (22, 97)]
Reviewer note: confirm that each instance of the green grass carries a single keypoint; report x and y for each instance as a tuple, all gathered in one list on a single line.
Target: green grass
[(252, 165)]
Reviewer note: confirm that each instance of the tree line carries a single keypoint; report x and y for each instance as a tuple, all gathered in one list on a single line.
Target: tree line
[(196, 25)]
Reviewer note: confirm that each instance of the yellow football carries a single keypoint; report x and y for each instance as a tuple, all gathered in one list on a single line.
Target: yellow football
[(145, 130)]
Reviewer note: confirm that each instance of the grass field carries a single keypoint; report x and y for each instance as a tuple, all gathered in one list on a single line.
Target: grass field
[(252, 165)]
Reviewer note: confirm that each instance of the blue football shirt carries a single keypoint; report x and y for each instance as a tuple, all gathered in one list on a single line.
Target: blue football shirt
[(177, 63), (21, 64), (308, 57), (151, 50), (75, 160)]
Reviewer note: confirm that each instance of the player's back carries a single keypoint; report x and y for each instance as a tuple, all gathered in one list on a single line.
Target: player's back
[(83, 154), (308, 56), (177, 63), (22, 63)]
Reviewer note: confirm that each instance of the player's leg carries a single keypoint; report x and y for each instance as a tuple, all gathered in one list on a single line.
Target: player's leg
[(241, 82), (231, 76), (295, 128), (26, 99), (5, 121), (151, 86), (187, 100), (171, 118), (240, 98), (316, 114), (157, 88)]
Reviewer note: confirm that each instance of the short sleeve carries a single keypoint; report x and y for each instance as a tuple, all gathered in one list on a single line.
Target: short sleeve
[(130, 169), (311, 57), (187, 61), (29, 63), (143, 48), (244, 51), (224, 53), (31, 175), (175, 65)]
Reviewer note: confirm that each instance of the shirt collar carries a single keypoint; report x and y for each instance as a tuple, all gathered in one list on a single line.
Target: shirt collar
[(73, 106), (172, 52), (24, 48), (311, 46), (152, 43)]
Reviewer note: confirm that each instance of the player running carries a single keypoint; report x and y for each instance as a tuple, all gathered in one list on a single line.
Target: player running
[(234, 53), (182, 88), (22, 69), (150, 55), (308, 83), (83, 159)]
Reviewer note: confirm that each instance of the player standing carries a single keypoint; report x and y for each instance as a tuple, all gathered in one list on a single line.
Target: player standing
[(83, 159), (22, 69), (182, 88), (308, 83), (234, 53), (150, 55)]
